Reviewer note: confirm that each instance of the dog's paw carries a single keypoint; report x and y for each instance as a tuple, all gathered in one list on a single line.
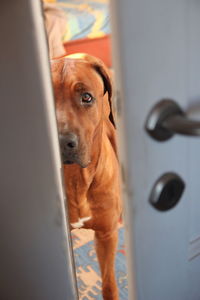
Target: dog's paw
[(80, 222)]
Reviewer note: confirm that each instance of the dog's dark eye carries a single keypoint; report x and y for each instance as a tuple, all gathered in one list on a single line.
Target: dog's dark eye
[(86, 98)]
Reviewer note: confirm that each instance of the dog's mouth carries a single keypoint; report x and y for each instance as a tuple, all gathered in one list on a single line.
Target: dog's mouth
[(68, 162), (75, 160)]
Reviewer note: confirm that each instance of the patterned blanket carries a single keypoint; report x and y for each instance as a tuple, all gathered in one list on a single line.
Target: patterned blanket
[(85, 18)]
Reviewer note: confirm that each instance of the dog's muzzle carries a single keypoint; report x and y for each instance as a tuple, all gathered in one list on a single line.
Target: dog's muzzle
[(69, 148)]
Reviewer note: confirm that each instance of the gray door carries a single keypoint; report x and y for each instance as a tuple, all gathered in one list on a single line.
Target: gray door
[(35, 255), (157, 55)]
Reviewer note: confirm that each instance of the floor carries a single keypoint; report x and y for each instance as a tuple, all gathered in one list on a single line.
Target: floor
[(87, 269)]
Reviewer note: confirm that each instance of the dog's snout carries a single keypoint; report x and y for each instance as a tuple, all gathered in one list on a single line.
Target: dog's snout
[(71, 144), (69, 141)]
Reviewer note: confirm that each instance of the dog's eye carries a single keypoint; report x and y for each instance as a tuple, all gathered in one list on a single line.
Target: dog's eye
[(86, 98)]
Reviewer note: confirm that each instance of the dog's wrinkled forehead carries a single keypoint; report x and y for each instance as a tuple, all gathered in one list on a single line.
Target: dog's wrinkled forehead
[(85, 69), (67, 71)]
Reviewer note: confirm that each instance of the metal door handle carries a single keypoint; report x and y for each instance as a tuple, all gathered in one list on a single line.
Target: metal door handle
[(167, 118)]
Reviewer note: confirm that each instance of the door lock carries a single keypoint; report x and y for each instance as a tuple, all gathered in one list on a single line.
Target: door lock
[(166, 119), (167, 191)]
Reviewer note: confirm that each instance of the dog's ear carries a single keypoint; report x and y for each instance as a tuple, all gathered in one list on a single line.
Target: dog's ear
[(103, 71)]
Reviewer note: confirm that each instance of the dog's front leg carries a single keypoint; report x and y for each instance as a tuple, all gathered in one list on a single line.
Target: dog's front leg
[(106, 244)]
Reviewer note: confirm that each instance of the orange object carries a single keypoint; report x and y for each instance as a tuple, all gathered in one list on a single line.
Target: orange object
[(99, 47)]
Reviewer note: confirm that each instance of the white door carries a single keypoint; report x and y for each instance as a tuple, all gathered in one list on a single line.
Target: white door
[(157, 55), (35, 253)]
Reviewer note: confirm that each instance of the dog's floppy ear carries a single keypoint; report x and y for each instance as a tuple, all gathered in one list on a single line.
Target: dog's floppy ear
[(100, 68), (103, 71)]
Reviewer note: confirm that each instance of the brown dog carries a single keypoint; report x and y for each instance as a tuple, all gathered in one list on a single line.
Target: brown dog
[(83, 90)]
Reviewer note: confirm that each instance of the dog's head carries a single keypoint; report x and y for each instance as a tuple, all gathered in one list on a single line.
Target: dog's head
[(83, 90)]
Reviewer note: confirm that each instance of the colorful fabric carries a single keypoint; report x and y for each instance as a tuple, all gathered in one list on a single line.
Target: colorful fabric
[(85, 18), (87, 268)]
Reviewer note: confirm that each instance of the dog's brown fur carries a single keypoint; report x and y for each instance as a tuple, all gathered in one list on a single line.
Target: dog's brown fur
[(92, 182)]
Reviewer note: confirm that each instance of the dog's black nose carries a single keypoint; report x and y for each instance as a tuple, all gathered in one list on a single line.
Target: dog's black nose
[(68, 141)]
